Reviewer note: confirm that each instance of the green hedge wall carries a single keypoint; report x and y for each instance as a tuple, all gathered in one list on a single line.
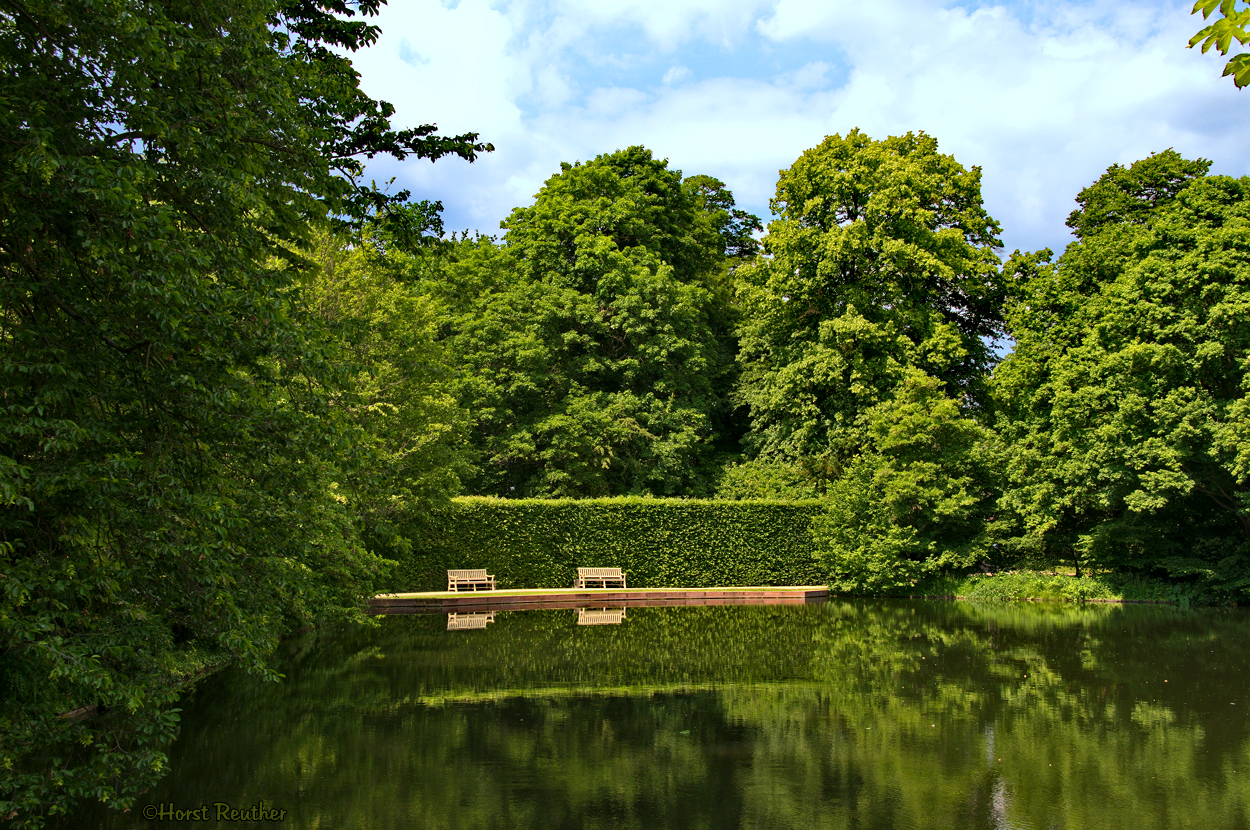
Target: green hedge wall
[(540, 543)]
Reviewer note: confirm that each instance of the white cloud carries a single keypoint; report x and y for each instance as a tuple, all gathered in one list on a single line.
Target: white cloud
[(675, 74), (450, 66), (1043, 98), (669, 24)]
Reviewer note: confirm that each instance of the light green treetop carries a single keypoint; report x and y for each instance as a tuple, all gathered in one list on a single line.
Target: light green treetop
[(398, 387), (882, 258), (592, 341)]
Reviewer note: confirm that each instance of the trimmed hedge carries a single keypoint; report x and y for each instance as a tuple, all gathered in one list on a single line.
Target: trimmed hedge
[(540, 543)]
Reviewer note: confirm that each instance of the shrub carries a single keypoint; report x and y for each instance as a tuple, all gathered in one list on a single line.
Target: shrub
[(916, 503), (1038, 585)]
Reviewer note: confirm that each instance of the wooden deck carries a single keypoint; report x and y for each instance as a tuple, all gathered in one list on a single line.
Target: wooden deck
[(444, 602)]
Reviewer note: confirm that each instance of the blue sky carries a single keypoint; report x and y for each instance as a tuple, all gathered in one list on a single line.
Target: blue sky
[(1042, 95)]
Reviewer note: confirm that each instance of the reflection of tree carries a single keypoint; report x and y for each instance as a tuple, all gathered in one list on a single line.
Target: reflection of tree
[(1060, 712), (846, 715)]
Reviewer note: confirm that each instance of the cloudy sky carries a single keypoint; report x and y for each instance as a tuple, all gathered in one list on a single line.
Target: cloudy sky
[(1042, 95)]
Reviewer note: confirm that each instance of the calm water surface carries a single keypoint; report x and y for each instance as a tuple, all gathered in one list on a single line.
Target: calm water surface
[(838, 715)]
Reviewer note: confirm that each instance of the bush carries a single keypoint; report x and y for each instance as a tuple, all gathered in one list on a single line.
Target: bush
[(1036, 585), (540, 543), (917, 502)]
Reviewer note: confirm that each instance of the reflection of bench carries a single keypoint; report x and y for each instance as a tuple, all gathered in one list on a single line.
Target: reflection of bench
[(600, 616), (472, 578), (461, 622), (586, 576)]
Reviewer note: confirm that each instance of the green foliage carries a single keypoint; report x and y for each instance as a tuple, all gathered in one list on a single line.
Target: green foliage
[(1126, 402), (593, 346), (761, 479), (1233, 24), (882, 260), (917, 502), (540, 543), (623, 208), (1132, 195), (400, 390), (715, 208), (171, 456), (1037, 585)]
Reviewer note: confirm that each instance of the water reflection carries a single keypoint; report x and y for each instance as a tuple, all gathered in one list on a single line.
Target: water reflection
[(474, 619), (867, 715), (600, 616)]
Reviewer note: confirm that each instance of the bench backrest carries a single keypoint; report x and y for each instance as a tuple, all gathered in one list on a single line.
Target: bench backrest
[(475, 573), (595, 573)]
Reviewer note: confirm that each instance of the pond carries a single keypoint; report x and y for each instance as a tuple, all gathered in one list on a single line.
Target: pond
[(832, 715)]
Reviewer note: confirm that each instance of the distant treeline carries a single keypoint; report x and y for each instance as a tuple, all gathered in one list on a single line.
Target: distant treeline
[(628, 335)]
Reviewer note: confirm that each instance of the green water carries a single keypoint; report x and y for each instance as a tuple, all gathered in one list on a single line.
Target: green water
[(839, 715)]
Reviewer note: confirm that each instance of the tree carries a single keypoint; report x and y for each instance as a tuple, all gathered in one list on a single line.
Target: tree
[(736, 228), (882, 258), (590, 340), (1126, 403), (170, 460), (399, 391), (917, 501), (1233, 24)]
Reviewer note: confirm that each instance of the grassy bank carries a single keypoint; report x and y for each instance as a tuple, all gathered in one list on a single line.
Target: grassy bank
[(1056, 586)]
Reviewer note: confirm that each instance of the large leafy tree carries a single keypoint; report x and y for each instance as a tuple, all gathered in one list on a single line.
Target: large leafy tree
[(593, 341), (1127, 399), (882, 258), (170, 462)]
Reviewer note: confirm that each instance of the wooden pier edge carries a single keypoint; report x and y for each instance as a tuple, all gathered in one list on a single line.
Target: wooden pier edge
[(449, 602)]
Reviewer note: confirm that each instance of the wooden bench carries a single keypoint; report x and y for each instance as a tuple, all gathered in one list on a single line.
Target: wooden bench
[(585, 576), (471, 578)]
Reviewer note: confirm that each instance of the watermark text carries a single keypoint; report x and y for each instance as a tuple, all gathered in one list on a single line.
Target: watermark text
[(218, 811)]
